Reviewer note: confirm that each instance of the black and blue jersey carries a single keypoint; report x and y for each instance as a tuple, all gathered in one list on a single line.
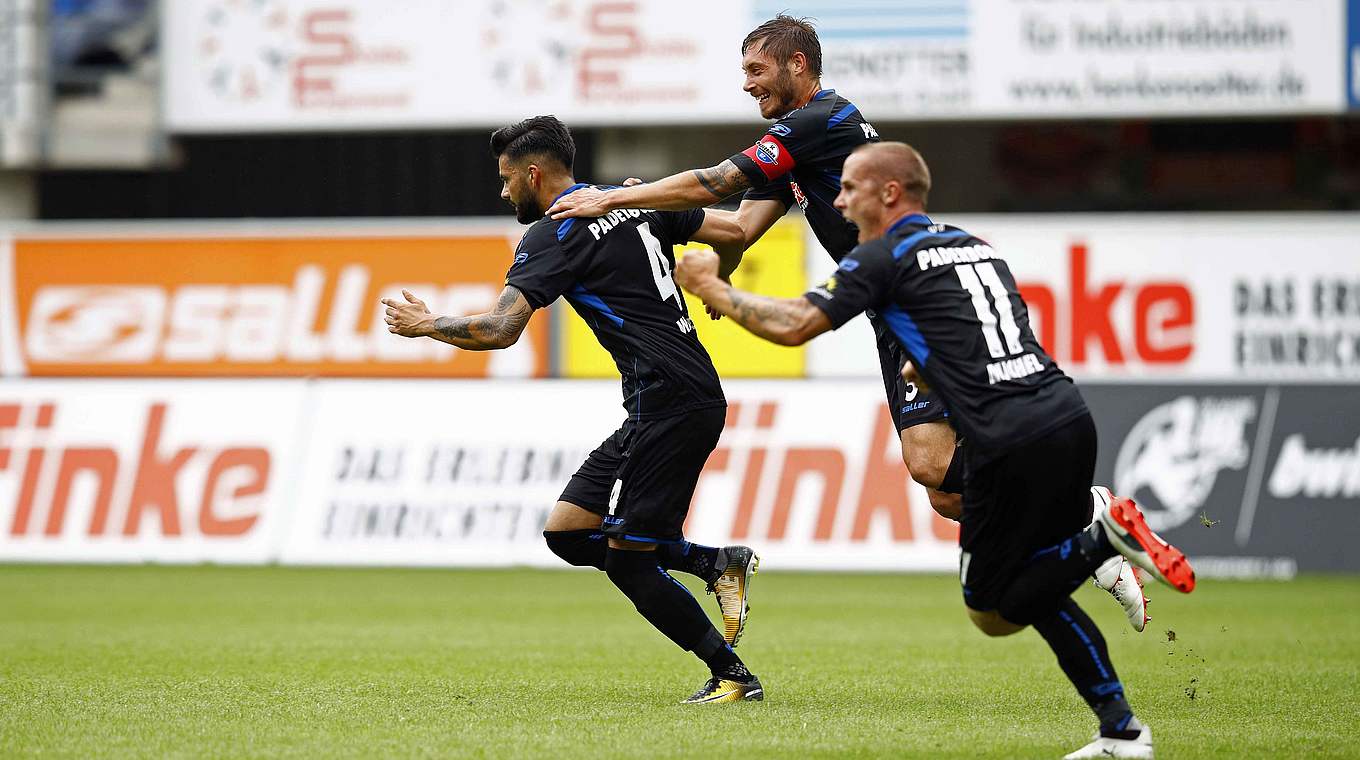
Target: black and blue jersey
[(615, 271), (799, 160), (952, 303)]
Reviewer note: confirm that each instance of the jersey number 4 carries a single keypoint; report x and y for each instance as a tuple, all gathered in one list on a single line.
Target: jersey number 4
[(981, 280), (661, 266)]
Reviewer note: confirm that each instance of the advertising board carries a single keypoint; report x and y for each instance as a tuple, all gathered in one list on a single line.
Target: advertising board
[(131, 471)]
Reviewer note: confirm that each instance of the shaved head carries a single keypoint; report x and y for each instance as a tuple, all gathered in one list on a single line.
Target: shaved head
[(880, 183), (898, 162)]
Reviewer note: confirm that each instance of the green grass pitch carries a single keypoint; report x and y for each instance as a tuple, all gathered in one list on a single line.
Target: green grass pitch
[(312, 663)]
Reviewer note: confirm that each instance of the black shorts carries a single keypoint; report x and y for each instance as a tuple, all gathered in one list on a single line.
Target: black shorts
[(642, 478), (906, 403), (1021, 503)]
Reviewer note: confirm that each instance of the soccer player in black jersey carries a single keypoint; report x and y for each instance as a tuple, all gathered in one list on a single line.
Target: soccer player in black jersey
[(799, 161), (952, 303), (632, 493)]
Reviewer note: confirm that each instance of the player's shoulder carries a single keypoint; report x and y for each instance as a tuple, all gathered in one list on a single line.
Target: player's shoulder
[(869, 250), (917, 231), (811, 117), (540, 233)]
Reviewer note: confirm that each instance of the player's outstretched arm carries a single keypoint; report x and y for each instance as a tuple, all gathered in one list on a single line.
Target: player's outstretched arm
[(678, 192), (499, 328), (786, 321), (721, 230)]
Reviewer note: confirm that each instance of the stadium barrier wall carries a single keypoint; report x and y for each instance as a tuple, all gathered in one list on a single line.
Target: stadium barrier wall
[(1250, 479), (1126, 297), (1220, 355), (365, 64)]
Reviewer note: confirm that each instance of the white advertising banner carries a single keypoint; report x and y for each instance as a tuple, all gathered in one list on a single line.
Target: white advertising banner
[(357, 64), (163, 471), (23, 81), (464, 473), (1132, 57), (352, 64), (1166, 297)]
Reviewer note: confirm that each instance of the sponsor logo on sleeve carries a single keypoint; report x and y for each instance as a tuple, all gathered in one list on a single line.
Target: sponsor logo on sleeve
[(783, 130)]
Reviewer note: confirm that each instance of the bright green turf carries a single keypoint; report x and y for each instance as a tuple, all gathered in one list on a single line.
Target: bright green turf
[(269, 662)]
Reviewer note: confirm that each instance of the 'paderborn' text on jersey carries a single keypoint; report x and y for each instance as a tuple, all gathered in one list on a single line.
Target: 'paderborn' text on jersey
[(951, 300)]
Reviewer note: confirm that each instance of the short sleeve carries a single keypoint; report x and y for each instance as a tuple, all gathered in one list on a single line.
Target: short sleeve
[(863, 281), (540, 269), (680, 226), (794, 139), (773, 191)]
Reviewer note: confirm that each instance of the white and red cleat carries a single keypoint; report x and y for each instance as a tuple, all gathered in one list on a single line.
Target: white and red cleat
[(1130, 535), (1117, 576)]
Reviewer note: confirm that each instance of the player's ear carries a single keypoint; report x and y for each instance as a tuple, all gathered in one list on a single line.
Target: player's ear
[(534, 175), (797, 62)]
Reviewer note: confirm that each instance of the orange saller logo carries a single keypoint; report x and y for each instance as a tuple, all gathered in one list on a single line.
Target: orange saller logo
[(250, 306)]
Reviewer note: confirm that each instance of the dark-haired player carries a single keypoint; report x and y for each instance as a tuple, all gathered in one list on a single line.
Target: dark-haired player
[(799, 161), (951, 302), (632, 494)]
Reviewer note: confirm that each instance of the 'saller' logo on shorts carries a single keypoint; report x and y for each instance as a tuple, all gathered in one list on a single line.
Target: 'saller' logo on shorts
[(767, 152), (1171, 458)]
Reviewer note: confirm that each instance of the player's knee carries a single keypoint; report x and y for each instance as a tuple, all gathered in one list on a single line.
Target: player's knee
[(921, 464), (946, 505), (635, 574), (993, 623), (582, 548)]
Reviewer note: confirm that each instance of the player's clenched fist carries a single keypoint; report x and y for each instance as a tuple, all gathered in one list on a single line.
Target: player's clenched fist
[(410, 319), (696, 269)]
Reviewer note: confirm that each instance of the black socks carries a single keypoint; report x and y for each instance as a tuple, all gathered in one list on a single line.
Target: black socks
[(1052, 575), (722, 662), (586, 548), (1082, 655), (671, 609), (706, 562)]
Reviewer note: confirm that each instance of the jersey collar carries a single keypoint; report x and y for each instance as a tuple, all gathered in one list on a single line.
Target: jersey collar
[(568, 191), (823, 93), (908, 219)]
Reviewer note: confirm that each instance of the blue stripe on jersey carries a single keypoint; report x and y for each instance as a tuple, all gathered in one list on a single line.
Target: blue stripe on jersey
[(908, 219), (911, 240), (841, 115), (565, 226), (823, 93), (904, 327), (579, 293)]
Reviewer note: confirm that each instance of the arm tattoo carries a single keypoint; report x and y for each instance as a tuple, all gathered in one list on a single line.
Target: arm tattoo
[(722, 180), (786, 321), (497, 329)]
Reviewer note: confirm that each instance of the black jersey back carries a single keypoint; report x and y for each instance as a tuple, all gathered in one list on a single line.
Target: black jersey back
[(615, 271), (953, 304), (799, 161)]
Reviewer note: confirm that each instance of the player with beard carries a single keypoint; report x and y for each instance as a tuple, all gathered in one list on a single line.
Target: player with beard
[(633, 492), (799, 161), (952, 303)]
